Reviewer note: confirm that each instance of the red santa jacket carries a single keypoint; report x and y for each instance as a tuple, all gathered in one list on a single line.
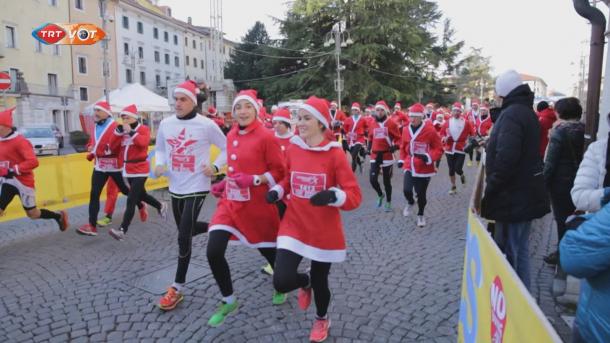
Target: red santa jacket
[(244, 212), (472, 116), (106, 149), (17, 153), (546, 118), (400, 118), (337, 122), (316, 232), (462, 128), (355, 130), (284, 141), (134, 151), (383, 136), (425, 141), (483, 126)]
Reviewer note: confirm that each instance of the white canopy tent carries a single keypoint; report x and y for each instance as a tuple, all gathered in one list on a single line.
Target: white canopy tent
[(135, 93)]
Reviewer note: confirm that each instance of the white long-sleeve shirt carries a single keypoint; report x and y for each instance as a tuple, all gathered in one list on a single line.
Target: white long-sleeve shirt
[(184, 147)]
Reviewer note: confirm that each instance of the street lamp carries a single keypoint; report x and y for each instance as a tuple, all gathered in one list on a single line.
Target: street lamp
[(341, 39)]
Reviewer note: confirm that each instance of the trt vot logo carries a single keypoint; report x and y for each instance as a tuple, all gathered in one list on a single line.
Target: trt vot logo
[(498, 311), (68, 34)]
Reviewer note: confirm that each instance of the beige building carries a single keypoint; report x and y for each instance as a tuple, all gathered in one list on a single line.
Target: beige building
[(537, 84), (87, 66)]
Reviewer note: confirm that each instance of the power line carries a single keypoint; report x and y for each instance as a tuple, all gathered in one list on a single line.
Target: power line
[(282, 57), (286, 49), (278, 75), (380, 71)]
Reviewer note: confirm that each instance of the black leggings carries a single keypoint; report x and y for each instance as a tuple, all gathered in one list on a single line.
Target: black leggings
[(287, 279), (356, 152), (186, 209), (387, 180), (217, 247), (420, 184), (456, 163), (137, 193), (98, 180)]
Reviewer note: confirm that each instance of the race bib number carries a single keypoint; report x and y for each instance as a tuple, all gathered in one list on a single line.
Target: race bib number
[(380, 132), (235, 193), (305, 185), (181, 163), (352, 136), (5, 164), (107, 163), (420, 148)]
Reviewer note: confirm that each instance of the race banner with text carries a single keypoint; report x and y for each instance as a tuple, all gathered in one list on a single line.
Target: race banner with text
[(495, 306)]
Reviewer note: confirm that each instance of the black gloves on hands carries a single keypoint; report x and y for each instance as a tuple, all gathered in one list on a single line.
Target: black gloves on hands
[(323, 198), (272, 197), (422, 157), (400, 164)]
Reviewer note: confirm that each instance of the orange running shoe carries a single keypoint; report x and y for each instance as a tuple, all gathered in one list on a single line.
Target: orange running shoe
[(143, 213), (87, 230), (304, 298), (170, 300), (63, 221), (319, 331)]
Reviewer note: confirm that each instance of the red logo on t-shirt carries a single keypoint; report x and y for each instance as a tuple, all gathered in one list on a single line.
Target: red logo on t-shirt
[(305, 185), (181, 153)]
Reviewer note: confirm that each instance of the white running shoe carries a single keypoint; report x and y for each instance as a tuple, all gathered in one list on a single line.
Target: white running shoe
[(407, 211), (163, 210), (421, 221), (119, 234)]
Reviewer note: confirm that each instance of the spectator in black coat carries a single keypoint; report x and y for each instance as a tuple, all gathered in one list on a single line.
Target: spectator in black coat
[(515, 193), (563, 156)]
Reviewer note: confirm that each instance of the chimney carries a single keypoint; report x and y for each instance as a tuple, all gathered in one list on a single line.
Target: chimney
[(166, 10), (190, 21)]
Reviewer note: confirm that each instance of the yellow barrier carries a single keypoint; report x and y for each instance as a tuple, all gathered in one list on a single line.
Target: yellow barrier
[(65, 181)]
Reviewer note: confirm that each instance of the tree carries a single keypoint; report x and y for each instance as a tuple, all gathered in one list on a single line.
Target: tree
[(246, 61), (473, 72)]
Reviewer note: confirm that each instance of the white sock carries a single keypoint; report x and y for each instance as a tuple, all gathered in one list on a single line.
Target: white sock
[(178, 286), (229, 300)]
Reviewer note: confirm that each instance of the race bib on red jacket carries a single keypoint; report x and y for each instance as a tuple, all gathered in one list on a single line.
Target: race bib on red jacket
[(306, 185)]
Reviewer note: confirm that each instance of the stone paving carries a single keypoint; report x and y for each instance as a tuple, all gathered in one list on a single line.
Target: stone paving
[(399, 283)]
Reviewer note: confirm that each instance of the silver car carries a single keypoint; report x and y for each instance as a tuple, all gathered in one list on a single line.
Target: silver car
[(43, 139)]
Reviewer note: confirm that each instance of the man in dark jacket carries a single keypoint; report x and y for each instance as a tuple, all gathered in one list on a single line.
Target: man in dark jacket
[(515, 192)]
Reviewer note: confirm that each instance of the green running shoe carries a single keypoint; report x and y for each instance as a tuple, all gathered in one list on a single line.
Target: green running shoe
[(104, 221), (279, 298), (388, 207), (223, 311), (379, 201), (267, 269)]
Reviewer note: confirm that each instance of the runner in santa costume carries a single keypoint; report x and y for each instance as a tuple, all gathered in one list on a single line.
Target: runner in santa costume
[(438, 123), (355, 132), (399, 116), (283, 128), (454, 136), (384, 138), (337, 118), (420, 147), (17, 163), (213, 115), (430, 113), (134, 139), (472, 116), (182, 153), (104, 150), (255, 164), (112, 195), (482, 126), (320, 184)]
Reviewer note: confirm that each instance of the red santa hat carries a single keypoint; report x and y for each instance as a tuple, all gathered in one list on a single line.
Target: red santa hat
[(130, 111), (397, 105), (250, 95), (333, 103), (416, 110), (457, 106), (430, 105), (369, 109), (318, 108), (283, 115), (6, 117), (212, 110), (188, 88), (475, 102), (381, 104), (103, 106), (356, 106)]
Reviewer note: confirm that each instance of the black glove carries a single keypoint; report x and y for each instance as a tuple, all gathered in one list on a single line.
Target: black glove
[(422, 157), (119, 128), (272, 197), (400, 164), (323, 198), (393, 148)]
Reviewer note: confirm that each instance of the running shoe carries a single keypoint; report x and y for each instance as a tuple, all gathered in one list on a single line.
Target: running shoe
[(279, 298), (87, 230), (104, 221), (387, 207), (319, 331), (407, 211), (463, 179), (163, 210), (453, 191), (143, 212), (223, 311), (63, 221), (469, 164), (379, 201), (421, 221), (170, 300), (304, 298), (267, 269), (119, 234)]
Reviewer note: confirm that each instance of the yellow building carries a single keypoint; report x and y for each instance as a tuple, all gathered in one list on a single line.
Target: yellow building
[(41, 74)]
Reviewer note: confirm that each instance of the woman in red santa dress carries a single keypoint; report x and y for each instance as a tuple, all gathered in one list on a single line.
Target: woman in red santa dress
[(255, 163), (454, 136), (355, 131), (420, 148), (320, 184)]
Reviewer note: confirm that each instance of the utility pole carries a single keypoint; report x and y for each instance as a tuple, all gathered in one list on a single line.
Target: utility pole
[(338, 58), (481, 93), (105, 64)]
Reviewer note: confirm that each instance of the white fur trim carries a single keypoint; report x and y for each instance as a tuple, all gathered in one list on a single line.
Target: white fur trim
[(416, 114), (97, 107), (315, 113), (129, 114), (186, 92), (298, 141), (270, 179), (248, 99), (387, 110), (16, 168), (280, 191), (310, 252), (281, 119), (288, 135), (241, 237), (341, 197)]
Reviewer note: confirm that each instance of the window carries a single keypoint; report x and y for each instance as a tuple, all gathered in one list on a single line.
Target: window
[(157, 57), (155, 33), (84, 94), (140, 52), (126, 49), (52, 78), (194, 44), (56, 50), (128, 76), (140, 27), (78, 4), (186, 41), (143, 78), (176, 61), (13, 73), (125, 22), (167, 59), (38, 45), (201, 46), (82, 65), (158, 80), (201, 64), (166, 36), (53, 3), (194, 62), (11, 38), (175, 40), (187, 62)]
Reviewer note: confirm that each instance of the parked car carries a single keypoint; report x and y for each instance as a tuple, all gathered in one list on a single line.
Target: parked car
[(43, 138)]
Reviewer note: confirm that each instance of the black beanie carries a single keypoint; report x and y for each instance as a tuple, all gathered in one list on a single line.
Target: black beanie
[(543, 105)]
